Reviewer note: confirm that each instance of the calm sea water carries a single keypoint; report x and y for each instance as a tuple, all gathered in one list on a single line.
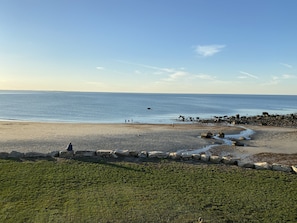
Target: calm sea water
[(81, 107)]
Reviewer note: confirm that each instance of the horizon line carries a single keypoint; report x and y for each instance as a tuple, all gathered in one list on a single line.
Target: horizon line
[(131, 92)]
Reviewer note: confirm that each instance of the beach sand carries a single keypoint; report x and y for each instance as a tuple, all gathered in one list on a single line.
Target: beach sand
[(47, 137), (268, 144)]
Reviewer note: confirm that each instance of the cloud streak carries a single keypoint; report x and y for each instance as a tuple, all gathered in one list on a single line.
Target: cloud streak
[(176, 75), (171, 75), (205, 77), (284, 76), (277, 79), (246, 75), (208, 50), (288, 76), (286, 65), (158, 69)]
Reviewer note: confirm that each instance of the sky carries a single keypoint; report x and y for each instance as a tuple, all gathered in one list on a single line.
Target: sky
[(151, 46)]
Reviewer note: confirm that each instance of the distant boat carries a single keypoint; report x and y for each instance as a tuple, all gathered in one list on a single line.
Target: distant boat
[(148, 108)]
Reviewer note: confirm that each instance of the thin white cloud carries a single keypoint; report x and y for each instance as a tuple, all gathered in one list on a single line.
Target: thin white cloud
[(242, 77), (246, 75), (172, 74), (144, 65), (205, 77), (176, 75), (286, 65), (284, 76), (208, 50), (277, 79), (168, 70), (100, 68), (271, 82), (158, 70), (288, 76)]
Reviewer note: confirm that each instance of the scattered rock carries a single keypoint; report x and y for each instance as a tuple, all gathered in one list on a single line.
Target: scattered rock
[(133, 153), (122, 152), (262, 166), (215, 159), (15, 154), (3, 155), (143, 154), (207, 135), (174, 155), (186, 156), (84, 153), (53, 154), (204, 157), (294, 168), (104, 153), (221, 135), (228, 160), (196, 156), (281, 167), (34, 155), (237, 143), (66, 154), (158, 154), (245, 164)]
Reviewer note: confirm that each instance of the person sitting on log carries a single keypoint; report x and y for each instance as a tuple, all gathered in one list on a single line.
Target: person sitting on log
[(69, 148)]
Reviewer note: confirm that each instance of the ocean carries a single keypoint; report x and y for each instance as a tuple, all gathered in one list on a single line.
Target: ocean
[(87, 107)]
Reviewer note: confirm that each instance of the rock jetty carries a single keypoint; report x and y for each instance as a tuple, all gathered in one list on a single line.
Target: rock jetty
[(265, 119)]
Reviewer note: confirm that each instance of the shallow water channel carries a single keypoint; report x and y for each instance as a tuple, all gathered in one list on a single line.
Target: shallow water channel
[(227, 140)]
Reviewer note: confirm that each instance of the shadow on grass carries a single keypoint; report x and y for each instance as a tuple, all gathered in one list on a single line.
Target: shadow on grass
[(118, 162), (103, 161), (32, 159), (109, 161)]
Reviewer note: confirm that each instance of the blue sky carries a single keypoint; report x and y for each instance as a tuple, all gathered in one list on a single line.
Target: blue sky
[(170, 46)]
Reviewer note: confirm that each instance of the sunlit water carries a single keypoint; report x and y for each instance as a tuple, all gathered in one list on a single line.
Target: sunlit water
[(82, 107)]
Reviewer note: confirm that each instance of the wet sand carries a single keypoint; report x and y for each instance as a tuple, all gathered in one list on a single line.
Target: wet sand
[(45, 137)]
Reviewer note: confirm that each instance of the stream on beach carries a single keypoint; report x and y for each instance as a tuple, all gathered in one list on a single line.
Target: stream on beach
[(228, 140)]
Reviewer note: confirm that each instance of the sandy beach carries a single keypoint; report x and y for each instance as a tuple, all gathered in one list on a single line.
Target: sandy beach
[(266, 142)]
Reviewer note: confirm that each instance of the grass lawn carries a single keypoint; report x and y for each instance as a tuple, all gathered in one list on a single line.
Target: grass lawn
[(160, 191)]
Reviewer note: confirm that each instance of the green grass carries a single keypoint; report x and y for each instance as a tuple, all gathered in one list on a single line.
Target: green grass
[(164, 191)]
